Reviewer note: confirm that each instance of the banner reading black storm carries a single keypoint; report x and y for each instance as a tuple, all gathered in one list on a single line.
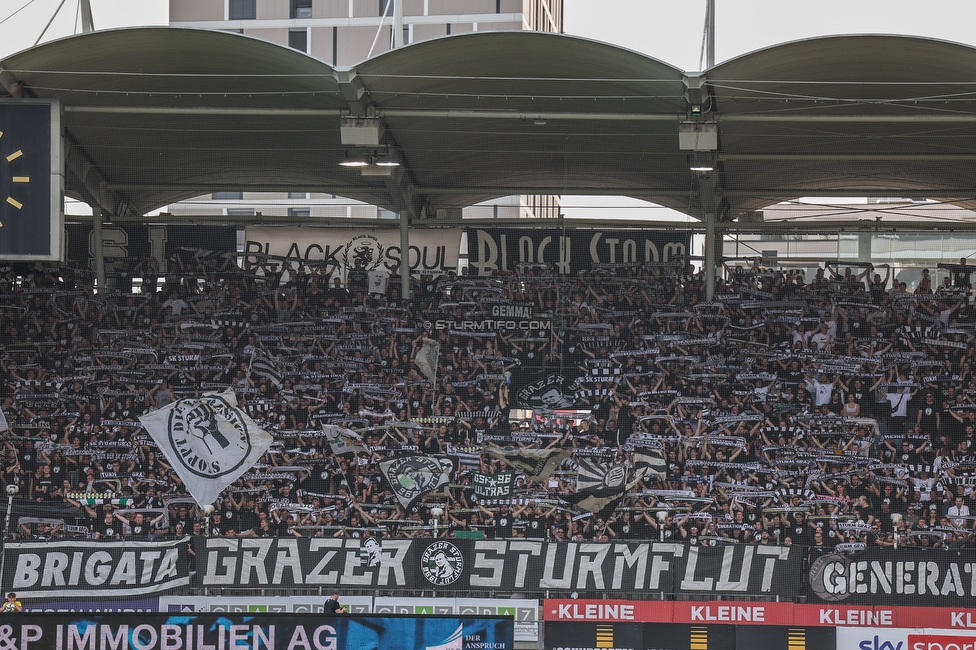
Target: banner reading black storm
[(431, 251), (571, 250), (231, 631), (523, 565)]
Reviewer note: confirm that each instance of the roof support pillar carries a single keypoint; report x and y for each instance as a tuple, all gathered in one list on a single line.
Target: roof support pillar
[(864, 240), (404, 255), (98, 244), (711, 258), (87, 24)]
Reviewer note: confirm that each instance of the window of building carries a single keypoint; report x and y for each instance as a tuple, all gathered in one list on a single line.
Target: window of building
[(301, 8), (228, 196), (297, 195), (240, 212), (298, 39), (385, 8), (243, 9), (299, 212)]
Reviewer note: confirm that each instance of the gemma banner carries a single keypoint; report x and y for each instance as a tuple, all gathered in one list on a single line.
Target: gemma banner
[(571, 250), (523, 565), (229, 631)]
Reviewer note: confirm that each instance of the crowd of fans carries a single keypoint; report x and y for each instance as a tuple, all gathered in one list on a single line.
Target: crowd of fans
[(832, 412)]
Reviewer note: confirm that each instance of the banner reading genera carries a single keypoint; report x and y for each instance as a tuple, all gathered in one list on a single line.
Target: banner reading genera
[(523, 565), (571, 250), (903, 577), (431, 251)]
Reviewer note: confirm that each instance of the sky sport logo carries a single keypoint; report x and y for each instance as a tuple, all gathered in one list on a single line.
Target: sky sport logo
[(442, 564), (939, 642)]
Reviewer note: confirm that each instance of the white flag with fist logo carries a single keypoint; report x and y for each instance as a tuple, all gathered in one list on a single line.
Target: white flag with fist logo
[(209, 441)]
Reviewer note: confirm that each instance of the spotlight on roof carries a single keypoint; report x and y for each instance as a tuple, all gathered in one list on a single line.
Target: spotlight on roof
[(354, 160), (388, 160)]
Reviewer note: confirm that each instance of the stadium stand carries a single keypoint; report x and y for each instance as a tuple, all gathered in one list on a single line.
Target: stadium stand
[(835, 414)]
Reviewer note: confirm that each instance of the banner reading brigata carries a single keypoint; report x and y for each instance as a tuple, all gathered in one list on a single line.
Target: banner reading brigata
[(228, 631), (431, 251), (86, 569), (571, 250), (524, 565)]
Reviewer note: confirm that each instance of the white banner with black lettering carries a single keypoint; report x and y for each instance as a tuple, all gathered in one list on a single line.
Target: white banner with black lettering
[(431, 251), (96, 569)]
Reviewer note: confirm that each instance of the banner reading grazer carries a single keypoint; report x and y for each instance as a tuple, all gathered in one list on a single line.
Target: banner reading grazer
[(572, 250), (231, 631), (431, 251), (86, 569), (523, 565), (894, 577)]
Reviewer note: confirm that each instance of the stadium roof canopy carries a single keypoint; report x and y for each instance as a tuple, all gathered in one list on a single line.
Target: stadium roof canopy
[(156, 115)]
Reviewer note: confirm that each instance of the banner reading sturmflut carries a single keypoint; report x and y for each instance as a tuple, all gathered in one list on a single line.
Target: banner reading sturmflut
[(431, 251), (209, 441)]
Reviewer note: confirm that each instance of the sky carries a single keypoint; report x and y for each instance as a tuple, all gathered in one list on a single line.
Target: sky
[(669, 30)]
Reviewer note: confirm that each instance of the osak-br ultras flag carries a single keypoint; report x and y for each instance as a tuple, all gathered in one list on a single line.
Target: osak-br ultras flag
[(208, 440), (494, 486)]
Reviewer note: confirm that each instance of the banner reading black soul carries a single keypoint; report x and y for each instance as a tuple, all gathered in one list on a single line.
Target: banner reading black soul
[(228, 631), (571, 250), (903, 577), (85, 569), (523, 565)]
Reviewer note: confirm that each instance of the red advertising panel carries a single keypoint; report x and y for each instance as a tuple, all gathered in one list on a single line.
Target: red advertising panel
[(758, 613)]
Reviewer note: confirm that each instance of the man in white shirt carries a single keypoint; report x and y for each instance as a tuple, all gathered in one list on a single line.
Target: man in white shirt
[(957, 511), (821, 391), (821, 338)]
